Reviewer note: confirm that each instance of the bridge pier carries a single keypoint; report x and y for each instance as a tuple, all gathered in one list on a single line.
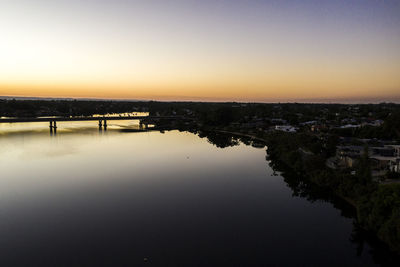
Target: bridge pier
[(102, 123), (53, 124), (53, 127)]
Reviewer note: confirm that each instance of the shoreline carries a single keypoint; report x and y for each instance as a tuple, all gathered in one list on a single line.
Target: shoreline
[(348, 200)]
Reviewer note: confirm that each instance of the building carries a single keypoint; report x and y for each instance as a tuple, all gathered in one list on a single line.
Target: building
[(386, 163), (396, 148), (285, 128)]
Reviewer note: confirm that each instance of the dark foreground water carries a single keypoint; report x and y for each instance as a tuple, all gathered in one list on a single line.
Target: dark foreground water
[(89, 198)]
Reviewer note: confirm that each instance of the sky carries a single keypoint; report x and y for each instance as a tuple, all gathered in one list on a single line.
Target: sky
[(207, 50)]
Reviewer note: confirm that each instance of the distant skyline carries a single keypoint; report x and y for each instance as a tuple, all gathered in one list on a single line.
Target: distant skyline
[(258, 51)]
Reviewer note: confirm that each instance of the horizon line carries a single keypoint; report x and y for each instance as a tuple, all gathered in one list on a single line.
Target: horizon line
[(294, 101)]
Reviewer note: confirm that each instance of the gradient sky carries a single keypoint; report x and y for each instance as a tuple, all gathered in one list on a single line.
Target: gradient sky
[(201, 50)]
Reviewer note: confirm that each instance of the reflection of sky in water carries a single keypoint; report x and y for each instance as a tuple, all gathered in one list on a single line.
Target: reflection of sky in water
[(62, 127), (31, 161), (68, 126), (172, 197)]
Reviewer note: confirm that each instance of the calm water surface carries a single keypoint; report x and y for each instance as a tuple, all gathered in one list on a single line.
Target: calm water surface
[(84, 197)]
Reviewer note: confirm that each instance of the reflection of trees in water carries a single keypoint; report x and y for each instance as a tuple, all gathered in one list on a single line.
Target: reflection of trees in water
[(379, 251), (302, 188), (312, 192), (220, 140), (359, 237), (223, 140)]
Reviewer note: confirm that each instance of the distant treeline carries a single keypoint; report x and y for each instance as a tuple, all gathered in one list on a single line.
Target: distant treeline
[(217, 112), (34, 108), (223, 114)]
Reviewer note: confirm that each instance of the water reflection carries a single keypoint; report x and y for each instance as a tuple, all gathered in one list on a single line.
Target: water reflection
[(364, 241), (75, 127), (85, 197)]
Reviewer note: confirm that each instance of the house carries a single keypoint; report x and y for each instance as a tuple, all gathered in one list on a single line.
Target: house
[(352, 151), (347, 126), (387, 157), (318, 127), (385, 151), (278, 121), (308, 123), (376, 123), (347, 156), (285, 128), (396, 148), (386, 163), (348, 161)]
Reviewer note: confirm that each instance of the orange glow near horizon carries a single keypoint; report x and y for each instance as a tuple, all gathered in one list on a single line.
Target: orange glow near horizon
[(181, 52), (236, 86)]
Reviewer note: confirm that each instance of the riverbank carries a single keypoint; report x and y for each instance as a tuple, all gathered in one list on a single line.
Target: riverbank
[(242, 134), (377, 205)]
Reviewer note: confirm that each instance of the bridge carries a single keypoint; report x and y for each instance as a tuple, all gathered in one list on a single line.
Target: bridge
[(101, 119)]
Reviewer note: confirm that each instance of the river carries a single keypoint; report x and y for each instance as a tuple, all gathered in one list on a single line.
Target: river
[(85, 197)]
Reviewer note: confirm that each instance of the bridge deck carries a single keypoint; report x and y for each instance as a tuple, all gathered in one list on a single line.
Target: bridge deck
[(14, 120)]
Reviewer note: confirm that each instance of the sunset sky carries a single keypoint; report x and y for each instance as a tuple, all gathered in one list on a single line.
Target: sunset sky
[(218, 50)]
